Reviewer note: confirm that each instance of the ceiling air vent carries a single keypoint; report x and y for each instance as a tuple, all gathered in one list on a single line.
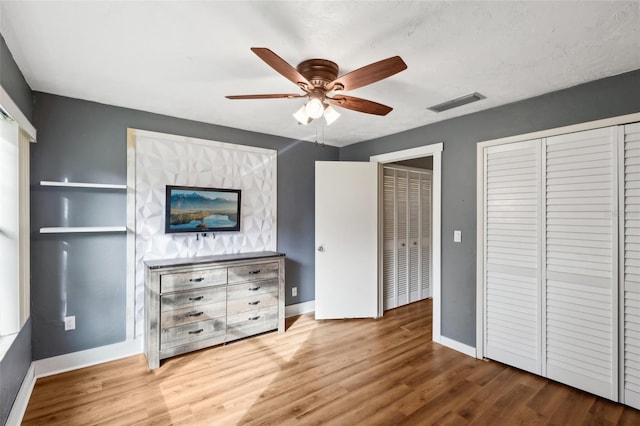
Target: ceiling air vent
[(454, 103)]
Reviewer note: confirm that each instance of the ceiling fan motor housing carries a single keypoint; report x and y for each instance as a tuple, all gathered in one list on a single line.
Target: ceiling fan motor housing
[(318, 72)]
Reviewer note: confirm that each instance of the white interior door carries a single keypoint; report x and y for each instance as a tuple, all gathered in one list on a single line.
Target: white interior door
[(346, 216), (581, 260), (511, 255)]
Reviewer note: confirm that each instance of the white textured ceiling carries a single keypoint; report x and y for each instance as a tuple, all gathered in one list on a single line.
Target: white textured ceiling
[(181, 58)]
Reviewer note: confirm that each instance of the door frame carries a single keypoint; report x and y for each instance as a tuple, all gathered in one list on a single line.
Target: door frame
[(435, 151)]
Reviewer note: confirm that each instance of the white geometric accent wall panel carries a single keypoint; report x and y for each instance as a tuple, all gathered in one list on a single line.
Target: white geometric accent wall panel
[(162, 160)]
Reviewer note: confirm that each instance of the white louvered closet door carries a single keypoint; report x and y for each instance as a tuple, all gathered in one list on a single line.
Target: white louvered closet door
[(389, 257), (414, 237), (512, 279), (402, 243), (581, 265), (406, 236), (631, 284)]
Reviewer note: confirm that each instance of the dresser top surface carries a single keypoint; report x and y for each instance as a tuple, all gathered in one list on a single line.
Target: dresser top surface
[(184, 261)]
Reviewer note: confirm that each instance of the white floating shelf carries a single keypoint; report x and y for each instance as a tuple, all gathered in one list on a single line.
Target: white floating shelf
[(82, 229), (82, 185)]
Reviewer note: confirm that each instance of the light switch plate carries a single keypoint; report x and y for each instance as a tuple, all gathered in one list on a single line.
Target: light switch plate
[(457, 236)]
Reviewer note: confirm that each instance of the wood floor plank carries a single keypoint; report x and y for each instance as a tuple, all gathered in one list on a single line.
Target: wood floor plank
[(348, 372)]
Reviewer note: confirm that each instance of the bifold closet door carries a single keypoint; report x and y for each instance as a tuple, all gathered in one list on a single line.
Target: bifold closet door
[(389, 263), (396, 271), (512, 278), (631, 284), (406, 236), (413, 237), (581, 262)]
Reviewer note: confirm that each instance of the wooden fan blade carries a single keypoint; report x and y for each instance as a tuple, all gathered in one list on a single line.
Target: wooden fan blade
[(282, 66), (272, 96), (368, 74), (360, 105)]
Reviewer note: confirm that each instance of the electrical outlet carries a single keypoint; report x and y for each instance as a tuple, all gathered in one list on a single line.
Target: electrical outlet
[(69, 323), (294, 291)]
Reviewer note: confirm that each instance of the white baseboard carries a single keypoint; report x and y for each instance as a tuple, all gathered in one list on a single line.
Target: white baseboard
[(72, 361), (22, 399), (67, 362), (455, 345), (299, 308)]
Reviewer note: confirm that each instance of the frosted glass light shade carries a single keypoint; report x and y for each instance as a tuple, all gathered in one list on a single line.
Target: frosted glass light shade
[(330, 115), (314, 108), (301, 116)]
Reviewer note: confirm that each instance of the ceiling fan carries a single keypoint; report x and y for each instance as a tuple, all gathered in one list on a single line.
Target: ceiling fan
[(319, 80)]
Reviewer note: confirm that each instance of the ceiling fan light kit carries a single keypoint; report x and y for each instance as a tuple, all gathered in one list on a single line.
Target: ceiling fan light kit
[(318, 78), (312, 110)]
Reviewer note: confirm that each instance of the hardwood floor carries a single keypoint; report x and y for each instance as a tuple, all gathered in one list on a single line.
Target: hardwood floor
[(344, 372)]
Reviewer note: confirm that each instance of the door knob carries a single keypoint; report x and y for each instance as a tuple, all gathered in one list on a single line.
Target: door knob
[(320, 248)]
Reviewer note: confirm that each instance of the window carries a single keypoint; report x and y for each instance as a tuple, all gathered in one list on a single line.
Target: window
[(14, 226)]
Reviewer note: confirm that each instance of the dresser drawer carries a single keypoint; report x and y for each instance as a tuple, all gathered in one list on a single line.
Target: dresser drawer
[(192, 279), (259, 271), (253, 317), (193, 314), (252, 322), (185, 299), (254, 302), (194, 332), (240, 291)]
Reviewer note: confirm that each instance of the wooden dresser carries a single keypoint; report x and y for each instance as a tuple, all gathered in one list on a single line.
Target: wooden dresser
[(193, 303)]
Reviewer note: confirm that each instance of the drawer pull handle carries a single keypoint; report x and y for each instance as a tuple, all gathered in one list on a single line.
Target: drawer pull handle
[(254, 318), (254, 303), (196, 331), (254, 288), (257, 271), (196, 280), (194, 314), (195, 299)]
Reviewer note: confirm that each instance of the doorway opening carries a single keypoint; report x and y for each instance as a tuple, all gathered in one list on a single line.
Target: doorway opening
[(409, 158), (406, 231)]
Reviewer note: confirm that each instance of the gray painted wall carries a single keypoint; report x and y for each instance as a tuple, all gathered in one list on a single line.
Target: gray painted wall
[(13, 368), (13, 82), (84, 275), (609, 97), (16, 362)]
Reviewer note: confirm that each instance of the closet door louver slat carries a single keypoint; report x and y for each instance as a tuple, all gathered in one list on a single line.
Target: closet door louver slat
[(512, 319), (631, 285), (580, 343)]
